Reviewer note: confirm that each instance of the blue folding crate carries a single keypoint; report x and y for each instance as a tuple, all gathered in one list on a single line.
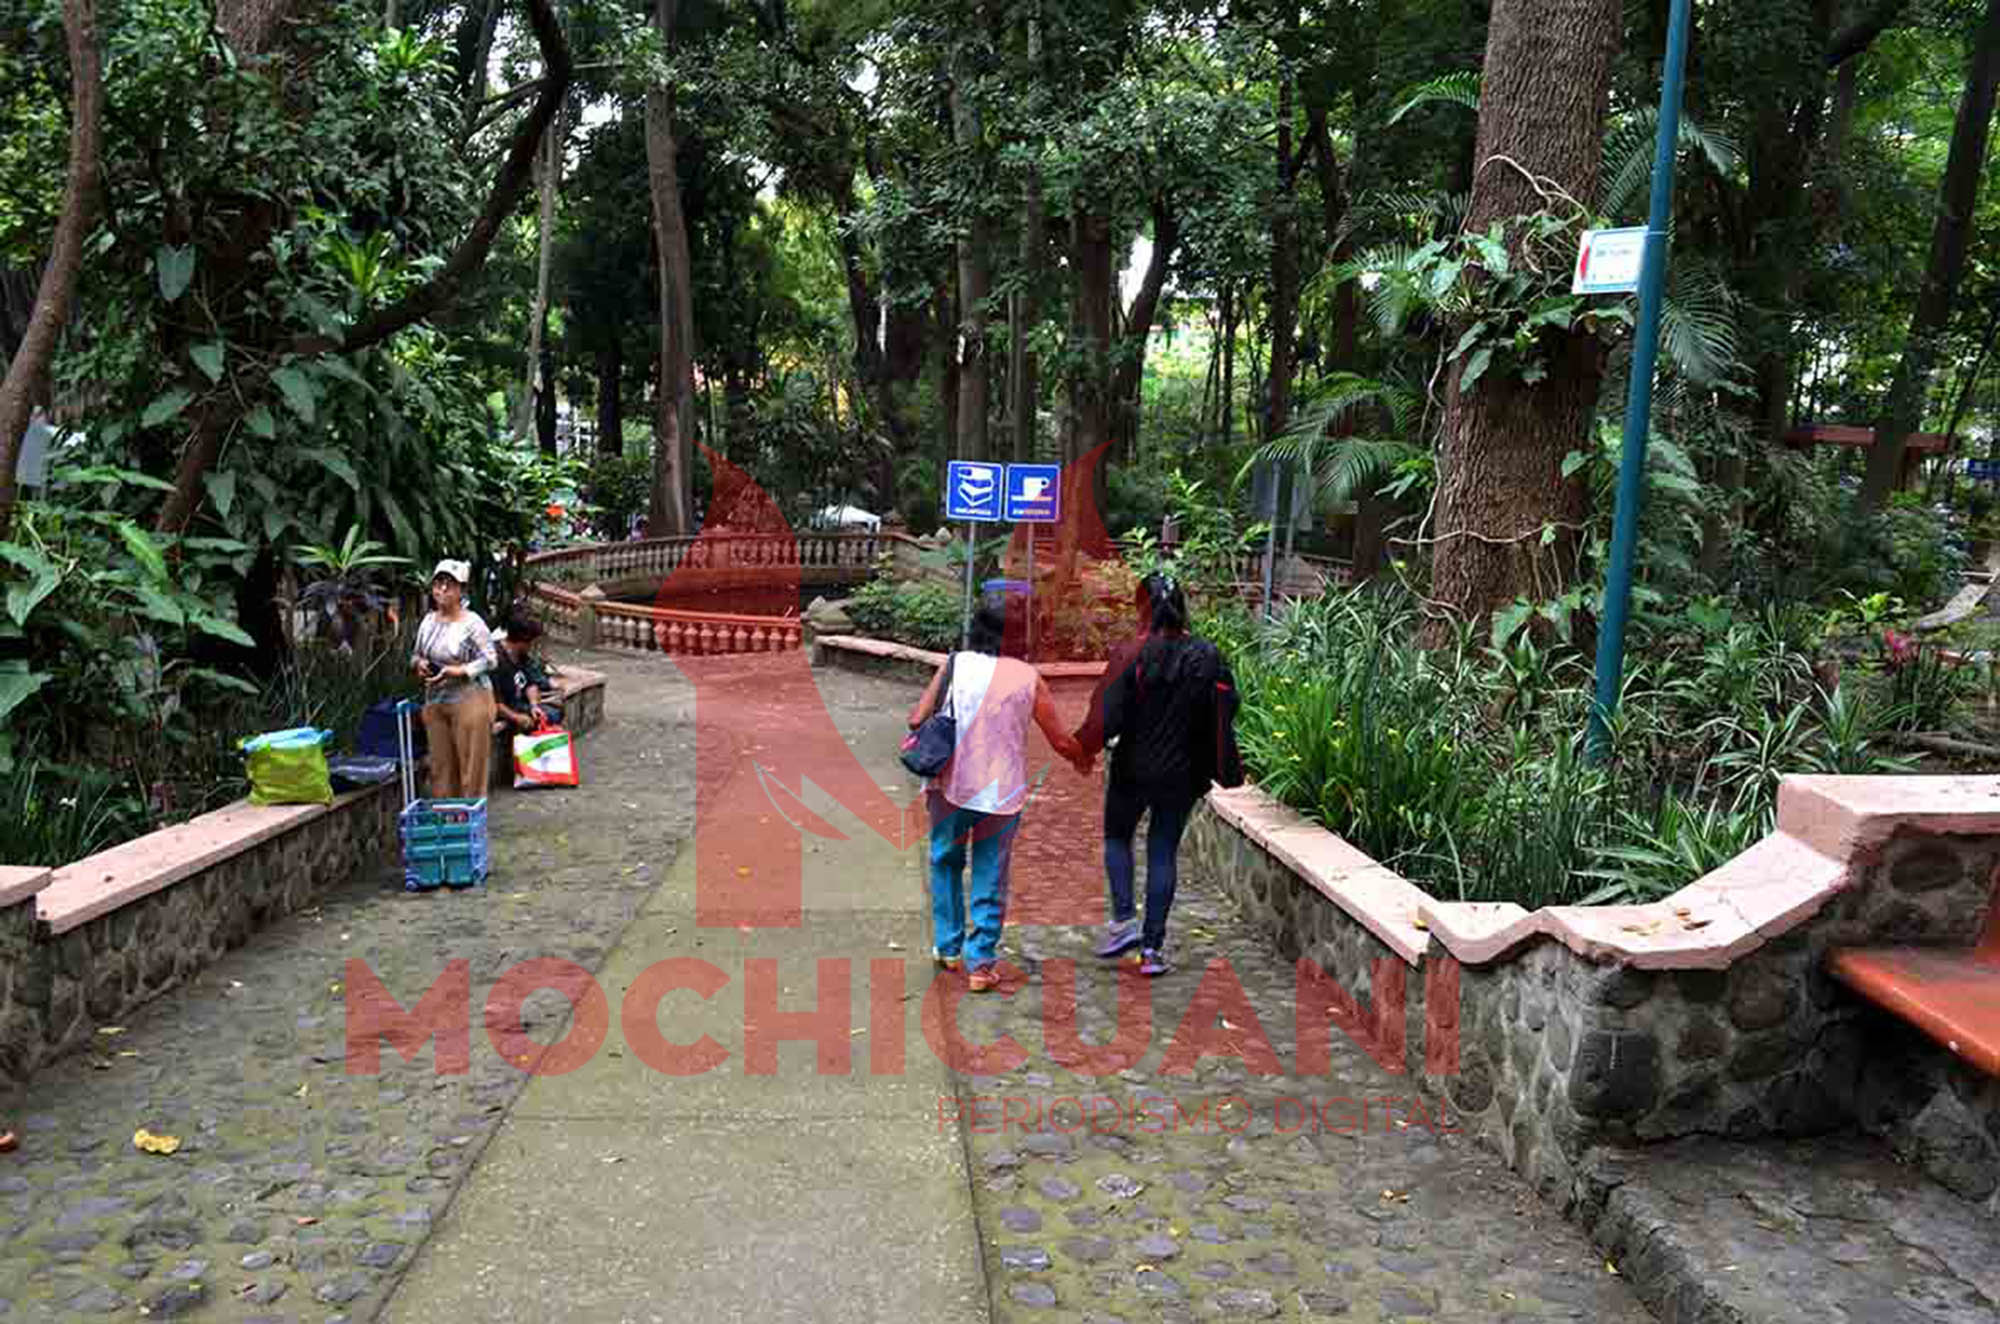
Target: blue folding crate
[(444, 844)]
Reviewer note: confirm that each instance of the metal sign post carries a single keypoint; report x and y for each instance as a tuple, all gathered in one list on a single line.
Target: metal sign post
[(965, 627), (1034, 496), (1031, 591), (1639, 403)]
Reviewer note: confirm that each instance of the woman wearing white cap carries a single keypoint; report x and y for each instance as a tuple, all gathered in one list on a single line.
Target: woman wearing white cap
[(454, 654)]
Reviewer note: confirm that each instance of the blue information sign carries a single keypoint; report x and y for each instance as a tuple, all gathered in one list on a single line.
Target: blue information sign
[(1034, 493), (972, 490), (1983, 470)]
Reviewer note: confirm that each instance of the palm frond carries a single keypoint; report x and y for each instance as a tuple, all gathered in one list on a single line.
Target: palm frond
[(1346, 466), (1409, 212), (1628, 155), (1698, 325), (1454, 89)]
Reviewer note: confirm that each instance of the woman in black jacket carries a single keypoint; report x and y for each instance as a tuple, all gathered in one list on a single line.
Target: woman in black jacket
[(1162, 708)]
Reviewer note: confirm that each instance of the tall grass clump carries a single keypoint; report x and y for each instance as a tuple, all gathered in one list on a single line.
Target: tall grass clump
[(1463, 767)]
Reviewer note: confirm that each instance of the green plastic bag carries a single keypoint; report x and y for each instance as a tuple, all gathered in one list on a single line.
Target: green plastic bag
[(289, 767)]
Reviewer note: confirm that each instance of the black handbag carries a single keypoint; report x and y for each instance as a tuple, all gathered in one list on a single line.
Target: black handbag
[(928, 748)]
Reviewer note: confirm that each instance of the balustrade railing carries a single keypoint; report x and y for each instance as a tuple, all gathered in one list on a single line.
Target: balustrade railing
[(662, 556), (589, 620)]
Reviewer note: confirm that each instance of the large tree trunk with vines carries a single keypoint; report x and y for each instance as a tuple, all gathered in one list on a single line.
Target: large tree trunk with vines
[(1128, 380), (1507, 519), (28, 368), (672, 512), (1959, 195)]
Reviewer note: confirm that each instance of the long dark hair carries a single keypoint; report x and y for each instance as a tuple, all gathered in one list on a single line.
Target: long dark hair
[(1167, 601), (989, 625)]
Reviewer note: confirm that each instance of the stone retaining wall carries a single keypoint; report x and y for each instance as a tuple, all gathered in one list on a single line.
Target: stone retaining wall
[(1559, 1055), (62, 977), (60, 987)]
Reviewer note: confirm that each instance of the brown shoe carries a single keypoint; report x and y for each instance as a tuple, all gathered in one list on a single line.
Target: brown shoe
[(984, 980)]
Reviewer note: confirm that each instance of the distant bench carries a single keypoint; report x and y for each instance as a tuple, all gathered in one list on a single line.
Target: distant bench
[(1952, 995), (84, 944)]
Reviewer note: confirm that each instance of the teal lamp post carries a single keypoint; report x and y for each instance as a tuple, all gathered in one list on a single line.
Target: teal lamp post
[(1639, 401)]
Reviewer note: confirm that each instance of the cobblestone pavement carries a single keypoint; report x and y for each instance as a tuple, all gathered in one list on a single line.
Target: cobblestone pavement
[(1110, 1189), (300, 1192), (1802, 1232)]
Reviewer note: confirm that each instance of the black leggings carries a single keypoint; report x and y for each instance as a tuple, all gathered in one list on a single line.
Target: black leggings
[(1169, 816)]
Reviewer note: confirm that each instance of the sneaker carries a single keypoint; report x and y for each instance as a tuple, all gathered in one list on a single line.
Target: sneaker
[(1152, 961), (984, 980), (1120, 936)]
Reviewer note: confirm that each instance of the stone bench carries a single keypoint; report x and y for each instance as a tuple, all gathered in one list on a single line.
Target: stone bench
[(1951, 995)]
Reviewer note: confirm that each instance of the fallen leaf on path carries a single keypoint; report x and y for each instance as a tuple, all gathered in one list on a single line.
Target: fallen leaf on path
[(146, 1142), (1611, 1268), (109, 1030), (305, 1220), (300, 1092)]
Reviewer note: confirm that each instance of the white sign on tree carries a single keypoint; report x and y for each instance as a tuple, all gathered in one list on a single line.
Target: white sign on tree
[(1608, 261)]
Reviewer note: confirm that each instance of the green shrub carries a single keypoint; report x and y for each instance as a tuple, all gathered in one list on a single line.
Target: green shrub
[(923, 615), (1464, 770)]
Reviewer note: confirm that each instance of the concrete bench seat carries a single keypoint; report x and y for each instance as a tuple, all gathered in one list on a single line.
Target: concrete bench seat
[(117, 877), (1951, 995)]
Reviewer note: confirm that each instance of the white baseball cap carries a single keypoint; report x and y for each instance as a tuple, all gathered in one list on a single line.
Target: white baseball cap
[(458, 570)]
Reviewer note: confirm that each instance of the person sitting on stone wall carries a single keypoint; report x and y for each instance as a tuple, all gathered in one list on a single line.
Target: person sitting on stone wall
[(521, 687)]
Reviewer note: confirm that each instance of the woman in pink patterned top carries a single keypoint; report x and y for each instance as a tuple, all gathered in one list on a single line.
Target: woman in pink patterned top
[(976, 801)]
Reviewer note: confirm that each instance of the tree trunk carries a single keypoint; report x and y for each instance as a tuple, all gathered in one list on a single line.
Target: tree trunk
[(672, 513), (944, 307), (1957, 200), (548, 166), (1090, 386), (28, 369), (482, 52), (545, 402), (1508, 521), (610, 401), (1227, 430), (1284, 263), (974, 286), (1129, 380), (1024, 379)]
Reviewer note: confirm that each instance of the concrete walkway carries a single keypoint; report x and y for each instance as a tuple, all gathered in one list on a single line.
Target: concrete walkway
[(620, 1193)]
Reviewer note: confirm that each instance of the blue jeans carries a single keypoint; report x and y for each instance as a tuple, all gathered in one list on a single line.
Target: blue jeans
[(1122, 807), (991, 837)]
